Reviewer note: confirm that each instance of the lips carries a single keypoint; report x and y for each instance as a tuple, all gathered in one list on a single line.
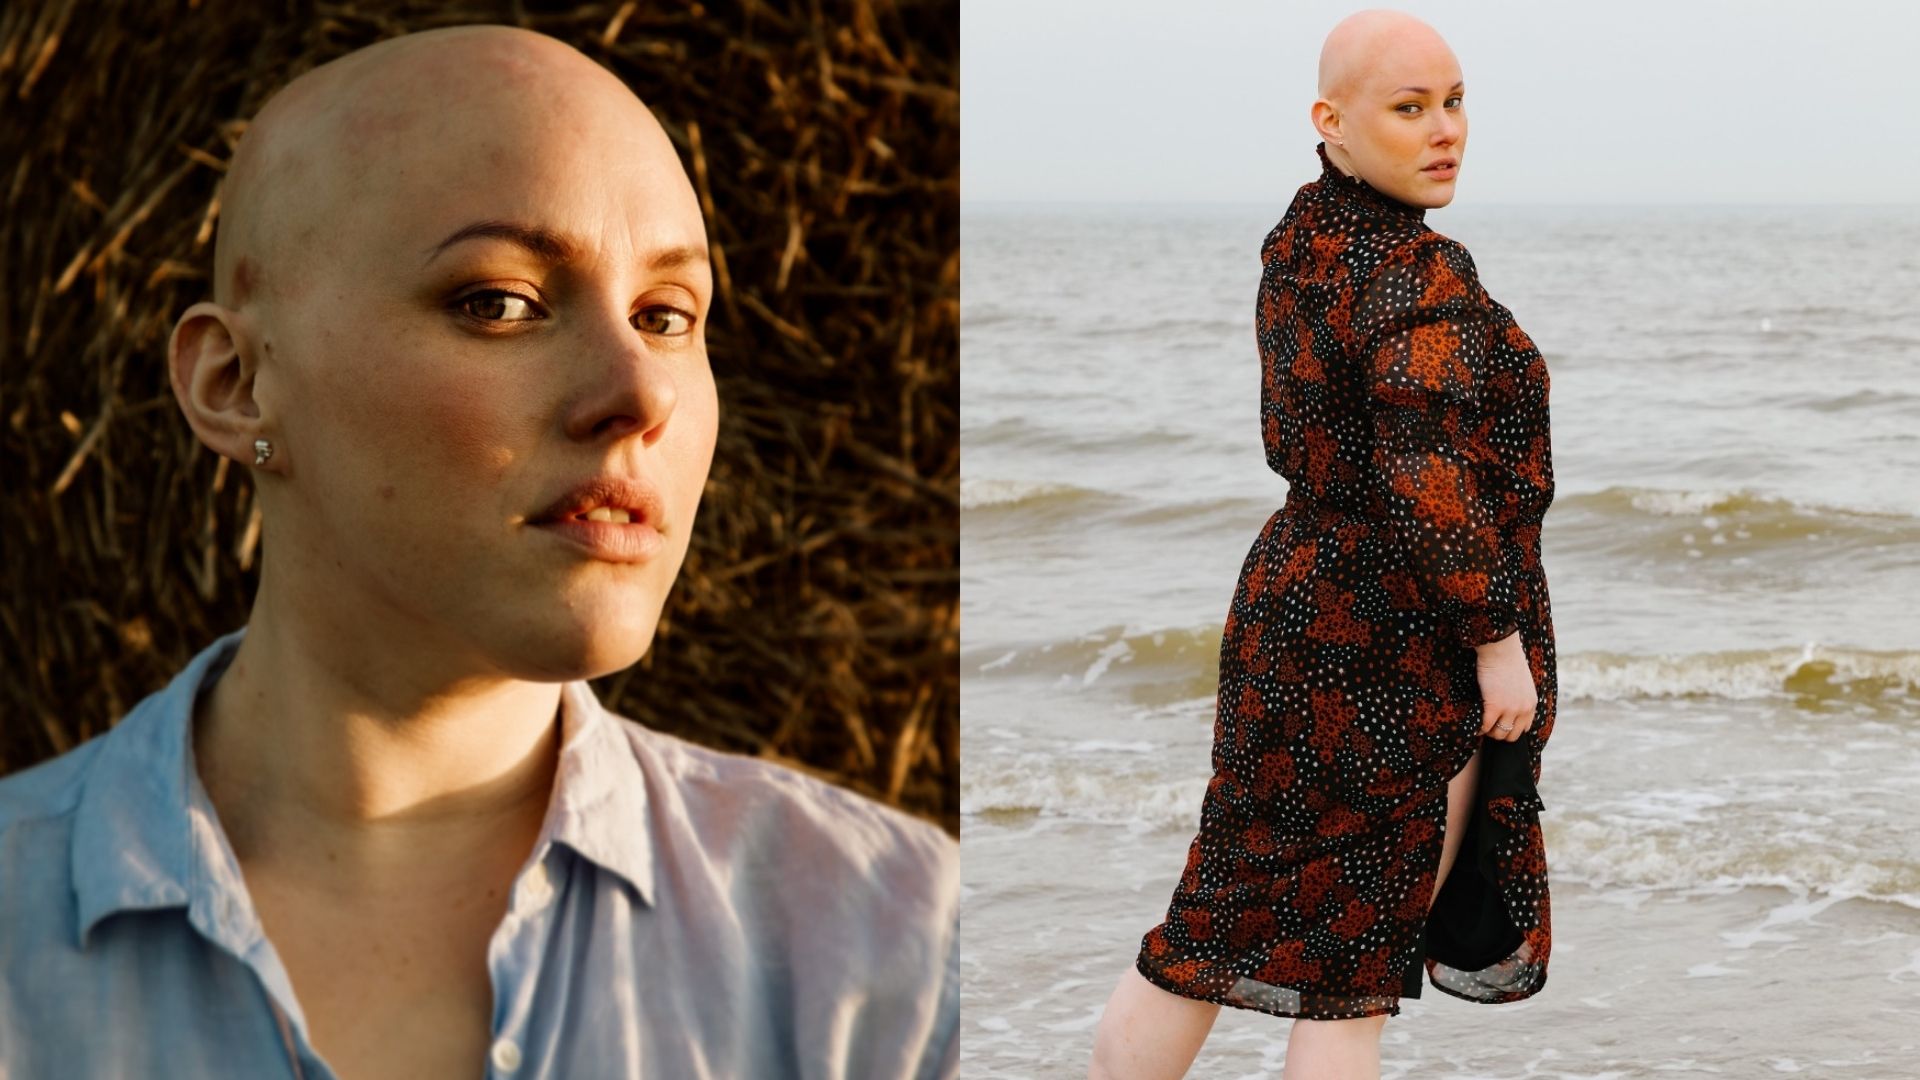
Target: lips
[(640, 500), (587, 519), (607, 541), (1443, 165)]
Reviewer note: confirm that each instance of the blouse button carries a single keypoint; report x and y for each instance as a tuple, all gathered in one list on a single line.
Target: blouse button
[(506, 1055)]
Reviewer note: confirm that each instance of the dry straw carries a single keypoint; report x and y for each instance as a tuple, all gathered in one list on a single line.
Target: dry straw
[(817, 617)]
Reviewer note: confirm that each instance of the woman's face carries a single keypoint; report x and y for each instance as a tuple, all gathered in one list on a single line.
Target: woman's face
[(1406, 128), (432, 396)]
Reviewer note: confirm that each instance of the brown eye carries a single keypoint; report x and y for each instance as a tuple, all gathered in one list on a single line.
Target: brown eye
[(665, 321), (495, 305)]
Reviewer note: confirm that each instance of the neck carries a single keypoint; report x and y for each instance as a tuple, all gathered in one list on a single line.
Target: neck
[(376, 750), (1338, 155)]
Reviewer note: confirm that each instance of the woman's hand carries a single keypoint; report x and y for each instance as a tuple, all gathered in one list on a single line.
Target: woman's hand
[(1506, 688)]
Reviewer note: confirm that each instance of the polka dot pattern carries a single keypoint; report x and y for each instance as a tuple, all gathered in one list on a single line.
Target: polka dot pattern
[(1408, 413)]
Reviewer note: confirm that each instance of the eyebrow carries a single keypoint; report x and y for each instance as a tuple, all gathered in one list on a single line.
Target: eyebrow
[(554, 247), (1422, 90), (543, 244)]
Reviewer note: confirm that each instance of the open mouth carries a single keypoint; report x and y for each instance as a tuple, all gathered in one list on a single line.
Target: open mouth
[(609, 534), (604, 513)]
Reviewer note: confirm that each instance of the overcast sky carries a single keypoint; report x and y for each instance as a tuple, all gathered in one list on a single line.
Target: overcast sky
[(1627, 101)]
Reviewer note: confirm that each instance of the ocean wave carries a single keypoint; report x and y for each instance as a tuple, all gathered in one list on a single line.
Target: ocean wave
[(1078, 789), (1728, 855), (1183, 328), (1183, 661), (1034, 429), (1244, 514), (1812, 671), (1703, 845), (1729, 503), (996, 494), (1862, 399), (1737, 523), (1030, 507), (976, 317), (1186, 662)]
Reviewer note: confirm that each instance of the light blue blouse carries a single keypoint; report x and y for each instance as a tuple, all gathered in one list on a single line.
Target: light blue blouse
[(685, 914)]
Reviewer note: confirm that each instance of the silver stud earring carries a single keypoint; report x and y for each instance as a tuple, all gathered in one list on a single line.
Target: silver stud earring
[(262, 450)]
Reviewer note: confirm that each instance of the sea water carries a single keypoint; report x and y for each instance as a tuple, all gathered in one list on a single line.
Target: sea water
[(1734, 559)]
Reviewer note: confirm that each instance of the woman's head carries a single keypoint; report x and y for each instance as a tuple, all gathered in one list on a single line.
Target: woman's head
[(1392, 107), (427, 399)]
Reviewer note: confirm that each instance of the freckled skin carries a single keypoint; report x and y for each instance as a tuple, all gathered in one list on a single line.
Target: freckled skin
[(378, 386), (392, 704)]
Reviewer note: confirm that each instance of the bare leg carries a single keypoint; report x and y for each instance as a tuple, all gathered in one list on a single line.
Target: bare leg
[(1335, 1049), (1147, 1033), (1350, 1049), (1460, 791)]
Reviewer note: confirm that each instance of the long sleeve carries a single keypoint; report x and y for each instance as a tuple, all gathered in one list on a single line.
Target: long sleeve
[(1425, 332)]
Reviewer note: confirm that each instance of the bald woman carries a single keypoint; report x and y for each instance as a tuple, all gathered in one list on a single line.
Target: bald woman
[(385, 829), (1387, 665)]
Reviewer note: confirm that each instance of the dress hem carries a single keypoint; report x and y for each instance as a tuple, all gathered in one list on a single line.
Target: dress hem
[(1503, 999), (1229, 1001)]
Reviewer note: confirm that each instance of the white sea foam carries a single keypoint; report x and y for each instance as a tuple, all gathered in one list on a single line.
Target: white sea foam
[(1077, 788), (1680, 503), (1118, 650), (1181, 656), (1813, 669), (1089, 746), (977, 494)]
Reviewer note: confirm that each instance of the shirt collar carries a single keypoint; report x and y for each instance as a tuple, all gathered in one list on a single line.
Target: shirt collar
[(1360, 191), (599, 805), (146, 834)]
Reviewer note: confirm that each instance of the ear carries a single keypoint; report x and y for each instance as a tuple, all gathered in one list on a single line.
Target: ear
[(1326, 121), (211, 367)]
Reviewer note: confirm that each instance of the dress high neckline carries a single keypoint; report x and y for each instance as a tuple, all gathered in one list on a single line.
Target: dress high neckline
[(1353, 186)]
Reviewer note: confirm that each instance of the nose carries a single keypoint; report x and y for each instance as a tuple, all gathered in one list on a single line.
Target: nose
[(629, 387), (1447, 129)]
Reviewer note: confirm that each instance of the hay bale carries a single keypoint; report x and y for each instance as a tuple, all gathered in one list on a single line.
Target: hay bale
[(817, 617)]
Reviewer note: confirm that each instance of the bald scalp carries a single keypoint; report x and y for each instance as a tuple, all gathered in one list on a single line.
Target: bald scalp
[(343, 132), (1364, 45)]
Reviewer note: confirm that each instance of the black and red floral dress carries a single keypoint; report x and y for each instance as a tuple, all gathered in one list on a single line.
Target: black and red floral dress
[(1408, 413)]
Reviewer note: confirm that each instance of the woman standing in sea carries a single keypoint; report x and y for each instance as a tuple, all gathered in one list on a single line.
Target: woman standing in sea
[(1387, 673)]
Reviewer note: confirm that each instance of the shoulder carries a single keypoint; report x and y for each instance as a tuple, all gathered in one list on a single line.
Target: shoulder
[(1428, 252), (1362, 249), (839, 897), (1277, 246), (37, 812), (842, 898), (803, 832), (1424, 271), (47, 791), (1439, 261)]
